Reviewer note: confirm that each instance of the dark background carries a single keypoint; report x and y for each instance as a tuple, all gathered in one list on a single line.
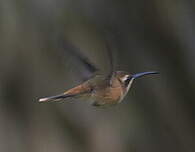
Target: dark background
[(156, 116)]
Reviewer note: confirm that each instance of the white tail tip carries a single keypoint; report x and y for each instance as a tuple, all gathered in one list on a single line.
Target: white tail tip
[(43, 99)]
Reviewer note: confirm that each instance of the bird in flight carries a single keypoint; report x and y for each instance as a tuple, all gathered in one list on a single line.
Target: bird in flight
[(101, 89)]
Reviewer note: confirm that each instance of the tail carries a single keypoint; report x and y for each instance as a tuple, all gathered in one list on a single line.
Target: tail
[(76, 91), (55, 98)]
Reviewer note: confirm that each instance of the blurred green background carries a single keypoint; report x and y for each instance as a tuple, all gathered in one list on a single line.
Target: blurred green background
[(158, 113)]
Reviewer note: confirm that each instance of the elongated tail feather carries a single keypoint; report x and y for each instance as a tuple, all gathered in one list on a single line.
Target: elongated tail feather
[(55, 98), (74, 92)]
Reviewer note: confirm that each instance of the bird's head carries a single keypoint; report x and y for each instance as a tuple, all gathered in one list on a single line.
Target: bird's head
[(126, 79)]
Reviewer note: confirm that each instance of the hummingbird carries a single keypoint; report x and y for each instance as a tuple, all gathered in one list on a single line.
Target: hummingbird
[(101, 89)]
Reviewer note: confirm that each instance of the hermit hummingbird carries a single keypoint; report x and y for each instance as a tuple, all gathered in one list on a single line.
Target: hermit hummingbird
[(100, 89)]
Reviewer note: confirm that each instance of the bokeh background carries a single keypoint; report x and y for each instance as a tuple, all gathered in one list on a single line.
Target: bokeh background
[(158, 113)]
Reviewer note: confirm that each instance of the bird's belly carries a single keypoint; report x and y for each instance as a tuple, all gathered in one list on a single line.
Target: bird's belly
[(103, 102), (106, 97)]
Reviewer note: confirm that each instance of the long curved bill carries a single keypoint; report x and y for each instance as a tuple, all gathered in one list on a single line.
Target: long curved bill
[(143, 74)]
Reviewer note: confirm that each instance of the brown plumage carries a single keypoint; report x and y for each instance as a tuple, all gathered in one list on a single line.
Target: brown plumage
[(101, 90)]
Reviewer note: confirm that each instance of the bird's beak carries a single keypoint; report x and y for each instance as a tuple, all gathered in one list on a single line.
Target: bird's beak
[(143, 73)]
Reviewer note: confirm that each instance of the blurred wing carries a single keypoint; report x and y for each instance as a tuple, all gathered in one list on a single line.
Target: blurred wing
[(109, 43), (89, 68), (110, 57)]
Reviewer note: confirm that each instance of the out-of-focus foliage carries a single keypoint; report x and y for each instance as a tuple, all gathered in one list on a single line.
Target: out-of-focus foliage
[(156, 116)]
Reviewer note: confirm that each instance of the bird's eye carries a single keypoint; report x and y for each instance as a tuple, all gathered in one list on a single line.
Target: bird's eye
[(126, 82)]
